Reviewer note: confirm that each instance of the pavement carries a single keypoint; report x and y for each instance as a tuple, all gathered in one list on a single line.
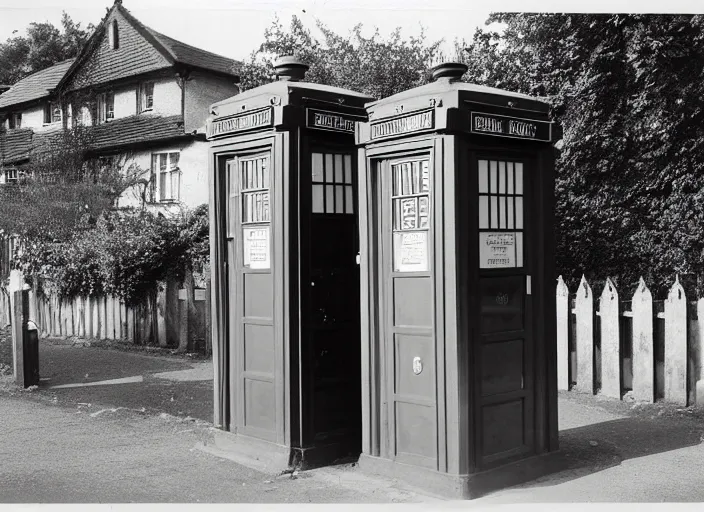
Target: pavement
[(109, 426)]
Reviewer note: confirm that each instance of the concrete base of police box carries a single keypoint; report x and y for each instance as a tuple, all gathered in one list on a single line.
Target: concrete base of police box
[(264, 456), (468, 486)]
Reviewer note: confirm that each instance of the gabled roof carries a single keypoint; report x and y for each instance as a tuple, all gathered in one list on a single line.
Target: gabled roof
[(174, 52), (192, 56), (35, 86)]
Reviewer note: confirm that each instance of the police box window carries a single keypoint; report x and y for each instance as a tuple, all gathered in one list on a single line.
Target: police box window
[(331, 176), (500, 213), (410, 205)]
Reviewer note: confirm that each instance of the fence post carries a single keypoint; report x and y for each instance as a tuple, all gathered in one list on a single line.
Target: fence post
[(20, 314), (676, 345), (699, 362), (643, 355), (584, 309), (562, 298), (610, 344)]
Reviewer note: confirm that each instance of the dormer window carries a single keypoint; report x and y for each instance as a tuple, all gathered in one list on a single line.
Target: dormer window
[(114, 35), (146, 96)]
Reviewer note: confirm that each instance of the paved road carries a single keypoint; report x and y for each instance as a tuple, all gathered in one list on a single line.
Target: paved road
[(112, 426)]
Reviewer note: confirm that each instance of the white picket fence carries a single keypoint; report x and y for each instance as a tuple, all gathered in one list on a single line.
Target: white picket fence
[(646, 349)]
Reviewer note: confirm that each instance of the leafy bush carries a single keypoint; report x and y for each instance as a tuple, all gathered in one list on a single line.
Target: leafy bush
[(126, 254)]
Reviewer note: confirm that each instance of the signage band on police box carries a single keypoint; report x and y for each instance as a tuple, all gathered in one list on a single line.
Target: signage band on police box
[(249, 121), (512, 127)]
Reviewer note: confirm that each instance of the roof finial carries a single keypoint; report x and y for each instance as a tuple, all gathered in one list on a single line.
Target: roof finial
[(289, 68)]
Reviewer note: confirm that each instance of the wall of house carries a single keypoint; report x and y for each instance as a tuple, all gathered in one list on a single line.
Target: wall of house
[(202, 90), (167, 97), (193, 163), (125, 102), (33, 117)]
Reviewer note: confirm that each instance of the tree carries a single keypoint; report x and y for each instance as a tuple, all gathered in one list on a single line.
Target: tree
[(43, 46), (629, 174), (373, 65)]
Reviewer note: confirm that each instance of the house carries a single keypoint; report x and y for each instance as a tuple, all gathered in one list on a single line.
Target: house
[(141, 97)]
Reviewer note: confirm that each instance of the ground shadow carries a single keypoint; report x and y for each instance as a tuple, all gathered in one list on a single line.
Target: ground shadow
[(592, 448)]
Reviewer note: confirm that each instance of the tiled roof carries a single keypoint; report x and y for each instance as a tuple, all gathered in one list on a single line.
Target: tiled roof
[(192, 56), (136, 129), (15, 145), (35, 86)]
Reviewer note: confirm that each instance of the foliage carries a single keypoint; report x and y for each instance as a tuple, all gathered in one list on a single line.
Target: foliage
[(373, 65), (42, 47), (62, 191), (626, 89), (126, 254)]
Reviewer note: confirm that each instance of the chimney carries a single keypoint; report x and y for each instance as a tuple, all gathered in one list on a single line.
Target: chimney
[(290, 69)]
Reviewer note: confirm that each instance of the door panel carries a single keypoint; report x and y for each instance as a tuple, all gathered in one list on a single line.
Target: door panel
[(251, 294), (407, 309), (504, 351)]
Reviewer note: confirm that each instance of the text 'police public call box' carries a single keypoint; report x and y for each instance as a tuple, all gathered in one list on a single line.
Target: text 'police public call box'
[(457, 273), (285, 273)]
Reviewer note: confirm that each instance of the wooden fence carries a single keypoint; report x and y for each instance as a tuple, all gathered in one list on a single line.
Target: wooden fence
[(171, 317), (643, 348)]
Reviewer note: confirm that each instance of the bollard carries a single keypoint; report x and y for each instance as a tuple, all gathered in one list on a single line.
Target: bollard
[(31, 355)]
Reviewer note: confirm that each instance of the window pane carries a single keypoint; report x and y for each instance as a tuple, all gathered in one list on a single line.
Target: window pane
[(519, 249), (502, 212), (318, 203), (173, 159), (415, 182), (494, 212), (265, 206), (349, 199), (338, 169), (409, 213), (423, 212), (175, 184), (519, 178), (519, 213), (162, 162), (510, 213), (348, 169), (406, 179), (492, 176), (328, 168), (425, 176), (317, 167), (162, 186), (339, 193), (483, 212), (396, 169), (483, 176), (509, 180), (330, 199), (502, 177), (265, 166)]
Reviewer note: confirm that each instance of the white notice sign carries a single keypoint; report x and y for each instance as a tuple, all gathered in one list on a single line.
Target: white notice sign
[(497, 250), (256, 247), (411, 251)]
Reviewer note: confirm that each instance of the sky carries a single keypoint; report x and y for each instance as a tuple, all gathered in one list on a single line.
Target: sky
[(235, 28)]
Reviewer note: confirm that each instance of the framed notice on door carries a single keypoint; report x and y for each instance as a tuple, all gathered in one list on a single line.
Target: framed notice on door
[(256, 247)]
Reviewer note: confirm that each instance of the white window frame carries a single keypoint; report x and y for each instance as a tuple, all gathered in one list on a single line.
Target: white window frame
[(168, 189), (54, 106), (143, 96), (106, 110), (11, 175)]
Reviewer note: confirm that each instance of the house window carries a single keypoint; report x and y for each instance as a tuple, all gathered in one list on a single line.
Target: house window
[(114, 36), (166, 177), (15, 120), (11, 176), (52, 113), (106, 107), (146, 96)]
